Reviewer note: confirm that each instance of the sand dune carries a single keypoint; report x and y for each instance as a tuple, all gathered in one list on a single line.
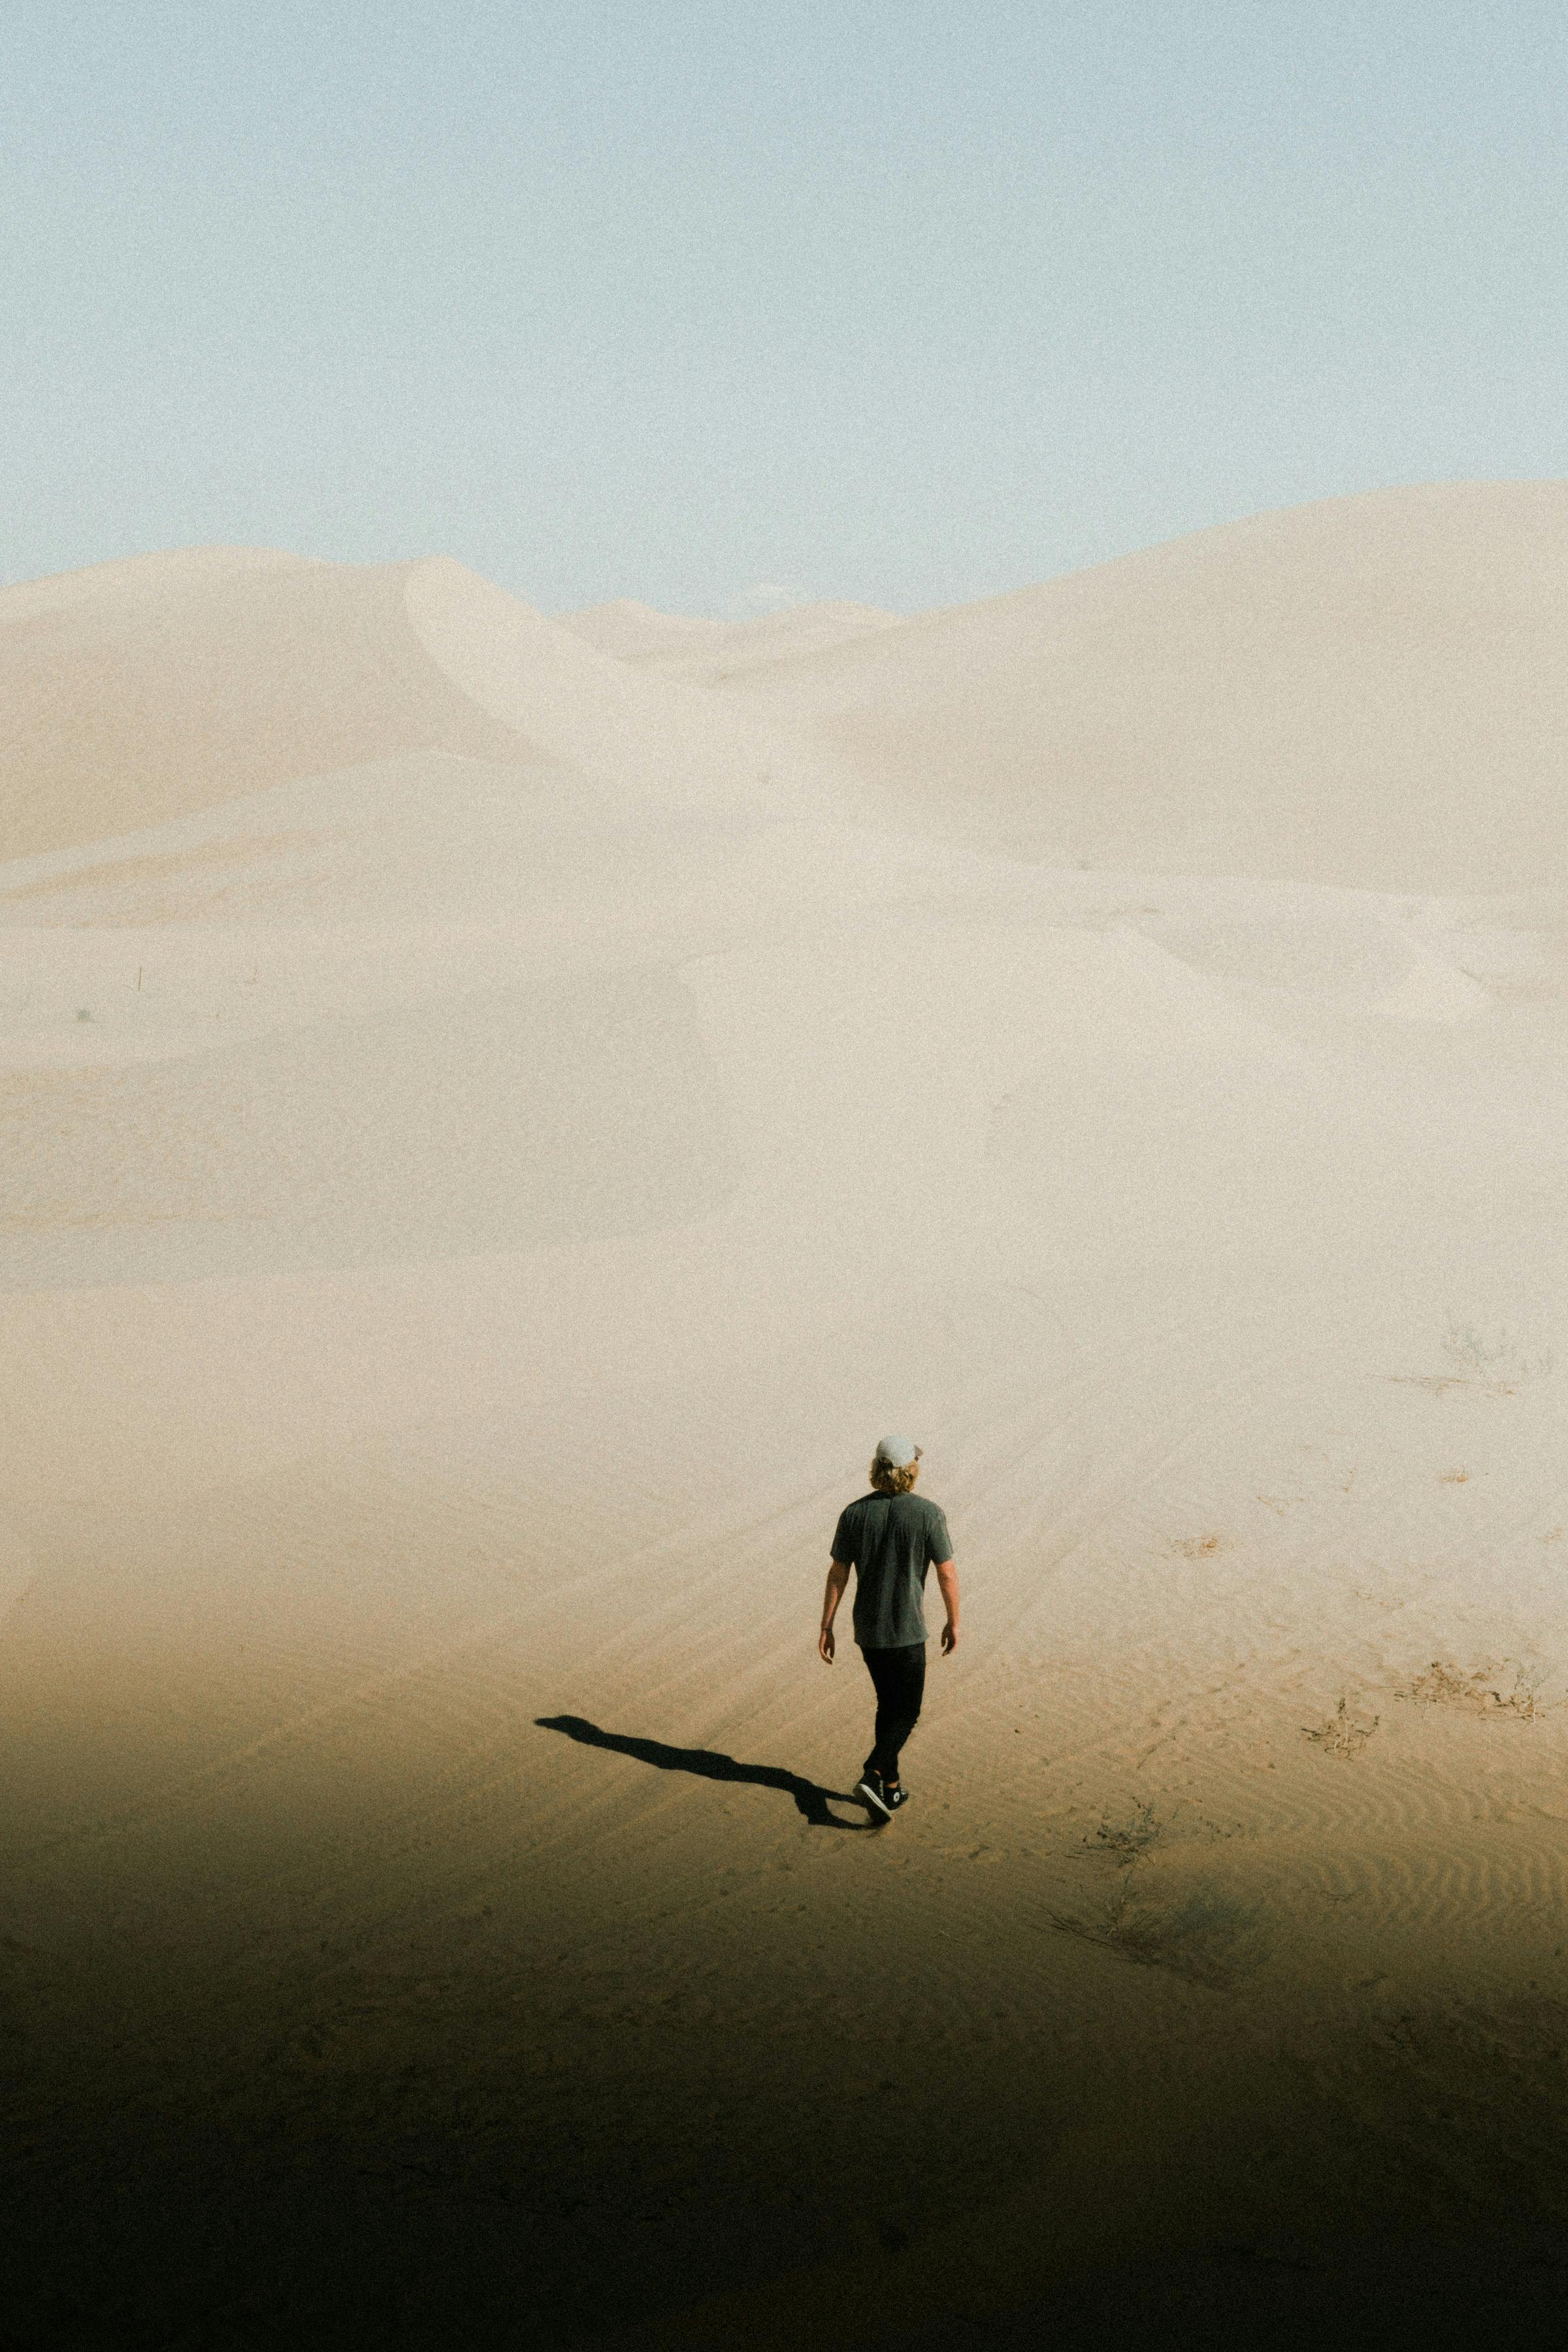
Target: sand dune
[(496, 1114), (633, 631), (1365, 692), (162, 688), (713, 651)]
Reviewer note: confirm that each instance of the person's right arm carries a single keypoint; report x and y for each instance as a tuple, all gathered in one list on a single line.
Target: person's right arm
[(947, 1581)]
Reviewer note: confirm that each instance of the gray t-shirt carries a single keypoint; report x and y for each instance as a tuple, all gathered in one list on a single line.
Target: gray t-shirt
[(891, 1540)]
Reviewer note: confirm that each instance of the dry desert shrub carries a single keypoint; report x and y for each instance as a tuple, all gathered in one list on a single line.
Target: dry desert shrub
[(1493, 1362), (1203, 1932), (1123, 1841), (1485, 1690), (1206, 1934), (1340, 1734), (1497, 1356)]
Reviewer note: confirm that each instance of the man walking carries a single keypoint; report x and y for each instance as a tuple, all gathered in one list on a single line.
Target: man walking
[(889, 1537)]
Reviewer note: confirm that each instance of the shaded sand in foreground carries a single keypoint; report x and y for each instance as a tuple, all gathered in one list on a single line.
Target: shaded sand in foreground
[(497, 1115)]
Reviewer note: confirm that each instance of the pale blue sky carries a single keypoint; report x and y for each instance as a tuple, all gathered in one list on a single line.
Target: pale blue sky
[(909, 301)]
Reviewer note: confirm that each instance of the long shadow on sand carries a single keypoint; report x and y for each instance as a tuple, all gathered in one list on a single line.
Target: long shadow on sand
[(707, 1764)]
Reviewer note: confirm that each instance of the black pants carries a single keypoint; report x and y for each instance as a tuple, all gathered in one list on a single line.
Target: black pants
[(900, 1679)]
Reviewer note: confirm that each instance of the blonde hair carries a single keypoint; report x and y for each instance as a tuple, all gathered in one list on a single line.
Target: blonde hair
[(889, 1481)]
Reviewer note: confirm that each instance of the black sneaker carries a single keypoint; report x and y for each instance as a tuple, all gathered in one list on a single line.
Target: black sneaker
[(879, 1796), (870, 1786)]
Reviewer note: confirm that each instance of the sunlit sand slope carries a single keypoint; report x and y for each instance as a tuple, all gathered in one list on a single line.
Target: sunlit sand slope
[(713, 651)]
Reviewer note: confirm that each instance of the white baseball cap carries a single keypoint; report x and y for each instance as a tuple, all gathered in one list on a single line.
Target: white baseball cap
[(898, 1453)]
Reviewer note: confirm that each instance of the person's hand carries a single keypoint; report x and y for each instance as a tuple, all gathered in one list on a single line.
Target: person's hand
[(825, 1645), (949, 1640)]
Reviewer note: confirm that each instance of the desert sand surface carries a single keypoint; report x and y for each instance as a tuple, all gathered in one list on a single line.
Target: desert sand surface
[(497, 1115)]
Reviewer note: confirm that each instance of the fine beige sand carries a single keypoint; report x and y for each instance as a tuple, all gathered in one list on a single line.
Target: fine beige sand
[(497, 1115)]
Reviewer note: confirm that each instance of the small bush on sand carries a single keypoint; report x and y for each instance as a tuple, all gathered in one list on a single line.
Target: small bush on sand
[(1485, 1690)]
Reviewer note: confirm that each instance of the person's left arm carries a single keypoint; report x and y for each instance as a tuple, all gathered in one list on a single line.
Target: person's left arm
[(947, 1579)]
